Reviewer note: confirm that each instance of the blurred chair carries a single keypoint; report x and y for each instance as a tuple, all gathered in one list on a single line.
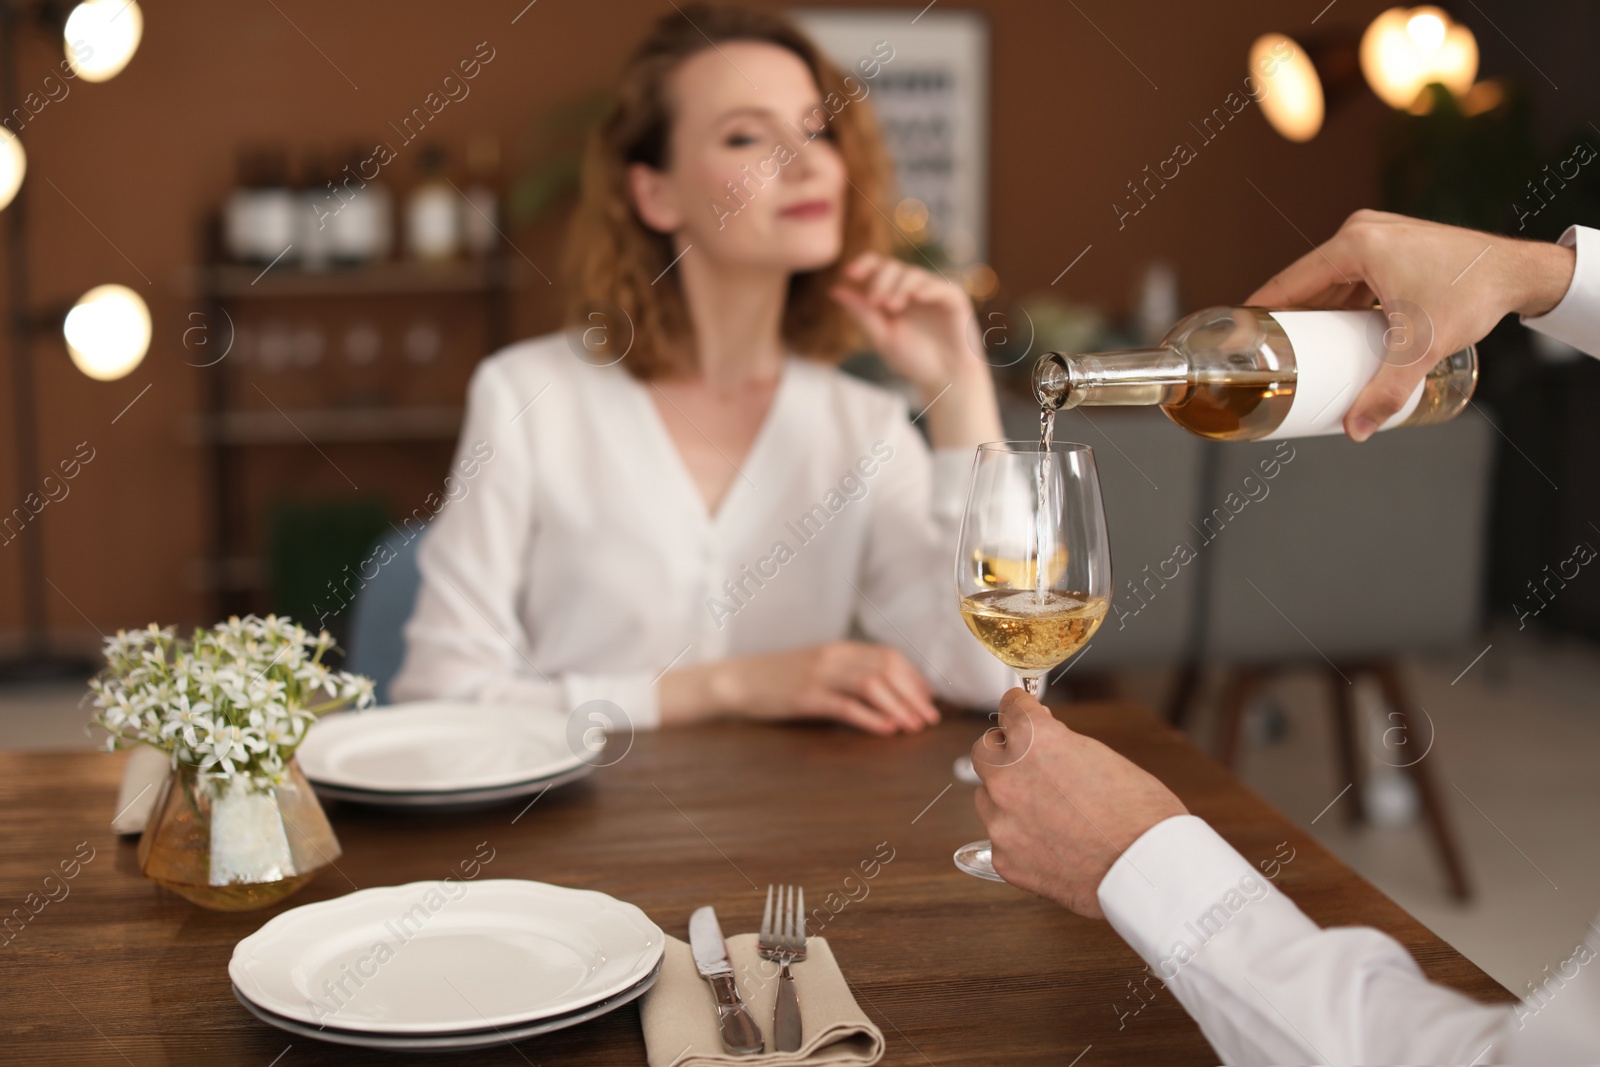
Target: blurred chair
[(311, 544), (1354, 556), (380, 613)]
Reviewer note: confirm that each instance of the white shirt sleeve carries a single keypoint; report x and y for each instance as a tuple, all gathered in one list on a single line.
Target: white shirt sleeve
[(1576, 320), (1268, 986), (466, 639), (907, 586)]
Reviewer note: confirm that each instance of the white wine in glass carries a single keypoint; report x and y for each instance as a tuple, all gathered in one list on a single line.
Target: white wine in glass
[(1033, 569)]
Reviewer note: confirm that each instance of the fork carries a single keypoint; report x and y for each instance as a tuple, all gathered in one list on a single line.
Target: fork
[(784, 942)]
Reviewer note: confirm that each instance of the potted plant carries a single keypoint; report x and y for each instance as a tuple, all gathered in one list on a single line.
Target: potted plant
[(236, 825)]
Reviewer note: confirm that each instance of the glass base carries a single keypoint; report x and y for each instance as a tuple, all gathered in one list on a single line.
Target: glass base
[(239, 897), (977, 859)]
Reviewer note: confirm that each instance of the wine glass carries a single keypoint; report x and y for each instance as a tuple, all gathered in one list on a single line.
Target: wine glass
[(1033, 571)]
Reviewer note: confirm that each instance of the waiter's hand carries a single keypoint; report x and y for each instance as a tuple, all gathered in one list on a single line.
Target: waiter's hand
[(1444, 288), (1060, 807)]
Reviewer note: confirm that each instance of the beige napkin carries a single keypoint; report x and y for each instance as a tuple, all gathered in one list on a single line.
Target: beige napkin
[(680, 1014), (141, 784)]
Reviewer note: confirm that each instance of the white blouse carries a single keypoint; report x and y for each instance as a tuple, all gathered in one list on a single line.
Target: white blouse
[(577, 560)]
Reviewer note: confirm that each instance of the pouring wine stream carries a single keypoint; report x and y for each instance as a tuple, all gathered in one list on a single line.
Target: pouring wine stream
[(1041, 522)]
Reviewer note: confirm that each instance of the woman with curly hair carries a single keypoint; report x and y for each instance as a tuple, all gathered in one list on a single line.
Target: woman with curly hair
[(689, 511)]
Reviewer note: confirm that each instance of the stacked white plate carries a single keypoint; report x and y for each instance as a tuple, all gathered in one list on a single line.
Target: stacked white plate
[(439, 753), (444, 966)]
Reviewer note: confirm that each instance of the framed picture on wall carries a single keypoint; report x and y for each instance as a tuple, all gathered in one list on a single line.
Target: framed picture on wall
[(931, 95)]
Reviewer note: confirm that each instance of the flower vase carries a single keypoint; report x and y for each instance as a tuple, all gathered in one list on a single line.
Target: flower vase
[(230, 844)]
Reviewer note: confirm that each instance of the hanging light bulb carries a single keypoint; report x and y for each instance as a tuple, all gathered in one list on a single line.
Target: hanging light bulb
[(1291, 96), (1407, 48), (107, 332), (1426, 30), (13, 165), (101, 36)]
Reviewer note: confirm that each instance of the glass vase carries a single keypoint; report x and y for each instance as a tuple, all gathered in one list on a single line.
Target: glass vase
[(229, 845)]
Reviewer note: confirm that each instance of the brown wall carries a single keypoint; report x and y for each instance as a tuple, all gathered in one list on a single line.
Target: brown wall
[(138, 162)]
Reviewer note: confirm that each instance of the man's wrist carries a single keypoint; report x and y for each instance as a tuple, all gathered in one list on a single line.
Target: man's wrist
[(1176, 874), (1543, 276)]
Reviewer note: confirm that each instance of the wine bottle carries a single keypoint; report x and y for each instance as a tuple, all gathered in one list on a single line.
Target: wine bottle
[(1248, 374)]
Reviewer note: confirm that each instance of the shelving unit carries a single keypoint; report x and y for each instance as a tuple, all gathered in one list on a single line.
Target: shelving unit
[(250, 435), (321, 426), (233, 281)]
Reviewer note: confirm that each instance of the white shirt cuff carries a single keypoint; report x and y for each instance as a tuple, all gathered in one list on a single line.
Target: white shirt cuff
[(1174, 889), (952, 467), (632, 699), (1576, 320)]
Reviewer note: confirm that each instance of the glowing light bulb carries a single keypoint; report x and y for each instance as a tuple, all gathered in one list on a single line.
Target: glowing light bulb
[(13, 165), (1406, 49), (101, 36), (1427, 30), (107, 332), (1291, 98)]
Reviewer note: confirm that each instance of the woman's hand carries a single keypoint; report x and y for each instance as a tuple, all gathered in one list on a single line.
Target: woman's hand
[(925, 329), (922, 325), (871, 687)]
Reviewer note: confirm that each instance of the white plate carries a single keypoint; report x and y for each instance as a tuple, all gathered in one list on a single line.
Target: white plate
[(409, 959), (458, 799), (456, 1042), (438, 746)]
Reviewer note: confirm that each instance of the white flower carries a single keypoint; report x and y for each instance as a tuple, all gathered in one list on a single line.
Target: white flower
[(273, 770), (265, 690), (314, 676), (230, 685), (129, 644), (235, 699), (185, 719), (282, 629), (234, 627), (278, 730), (227, 745), (357, 688)]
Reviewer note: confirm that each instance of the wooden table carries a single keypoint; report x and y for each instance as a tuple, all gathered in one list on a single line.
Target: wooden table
[(955, 970)]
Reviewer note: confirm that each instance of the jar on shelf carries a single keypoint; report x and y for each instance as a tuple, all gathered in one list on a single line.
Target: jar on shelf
[(260, 216), (313, 240), (433, 211), (361, 226)]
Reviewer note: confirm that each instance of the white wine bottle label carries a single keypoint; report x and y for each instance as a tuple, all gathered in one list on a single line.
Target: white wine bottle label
[(1336, 354)]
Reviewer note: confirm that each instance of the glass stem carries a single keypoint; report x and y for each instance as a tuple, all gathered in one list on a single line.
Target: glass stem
[(1035, 687)]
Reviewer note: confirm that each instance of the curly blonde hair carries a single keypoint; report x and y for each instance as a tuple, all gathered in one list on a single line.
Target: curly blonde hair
[(612, 257)]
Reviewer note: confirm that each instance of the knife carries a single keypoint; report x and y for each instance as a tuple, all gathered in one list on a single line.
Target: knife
[(740, 1035)]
